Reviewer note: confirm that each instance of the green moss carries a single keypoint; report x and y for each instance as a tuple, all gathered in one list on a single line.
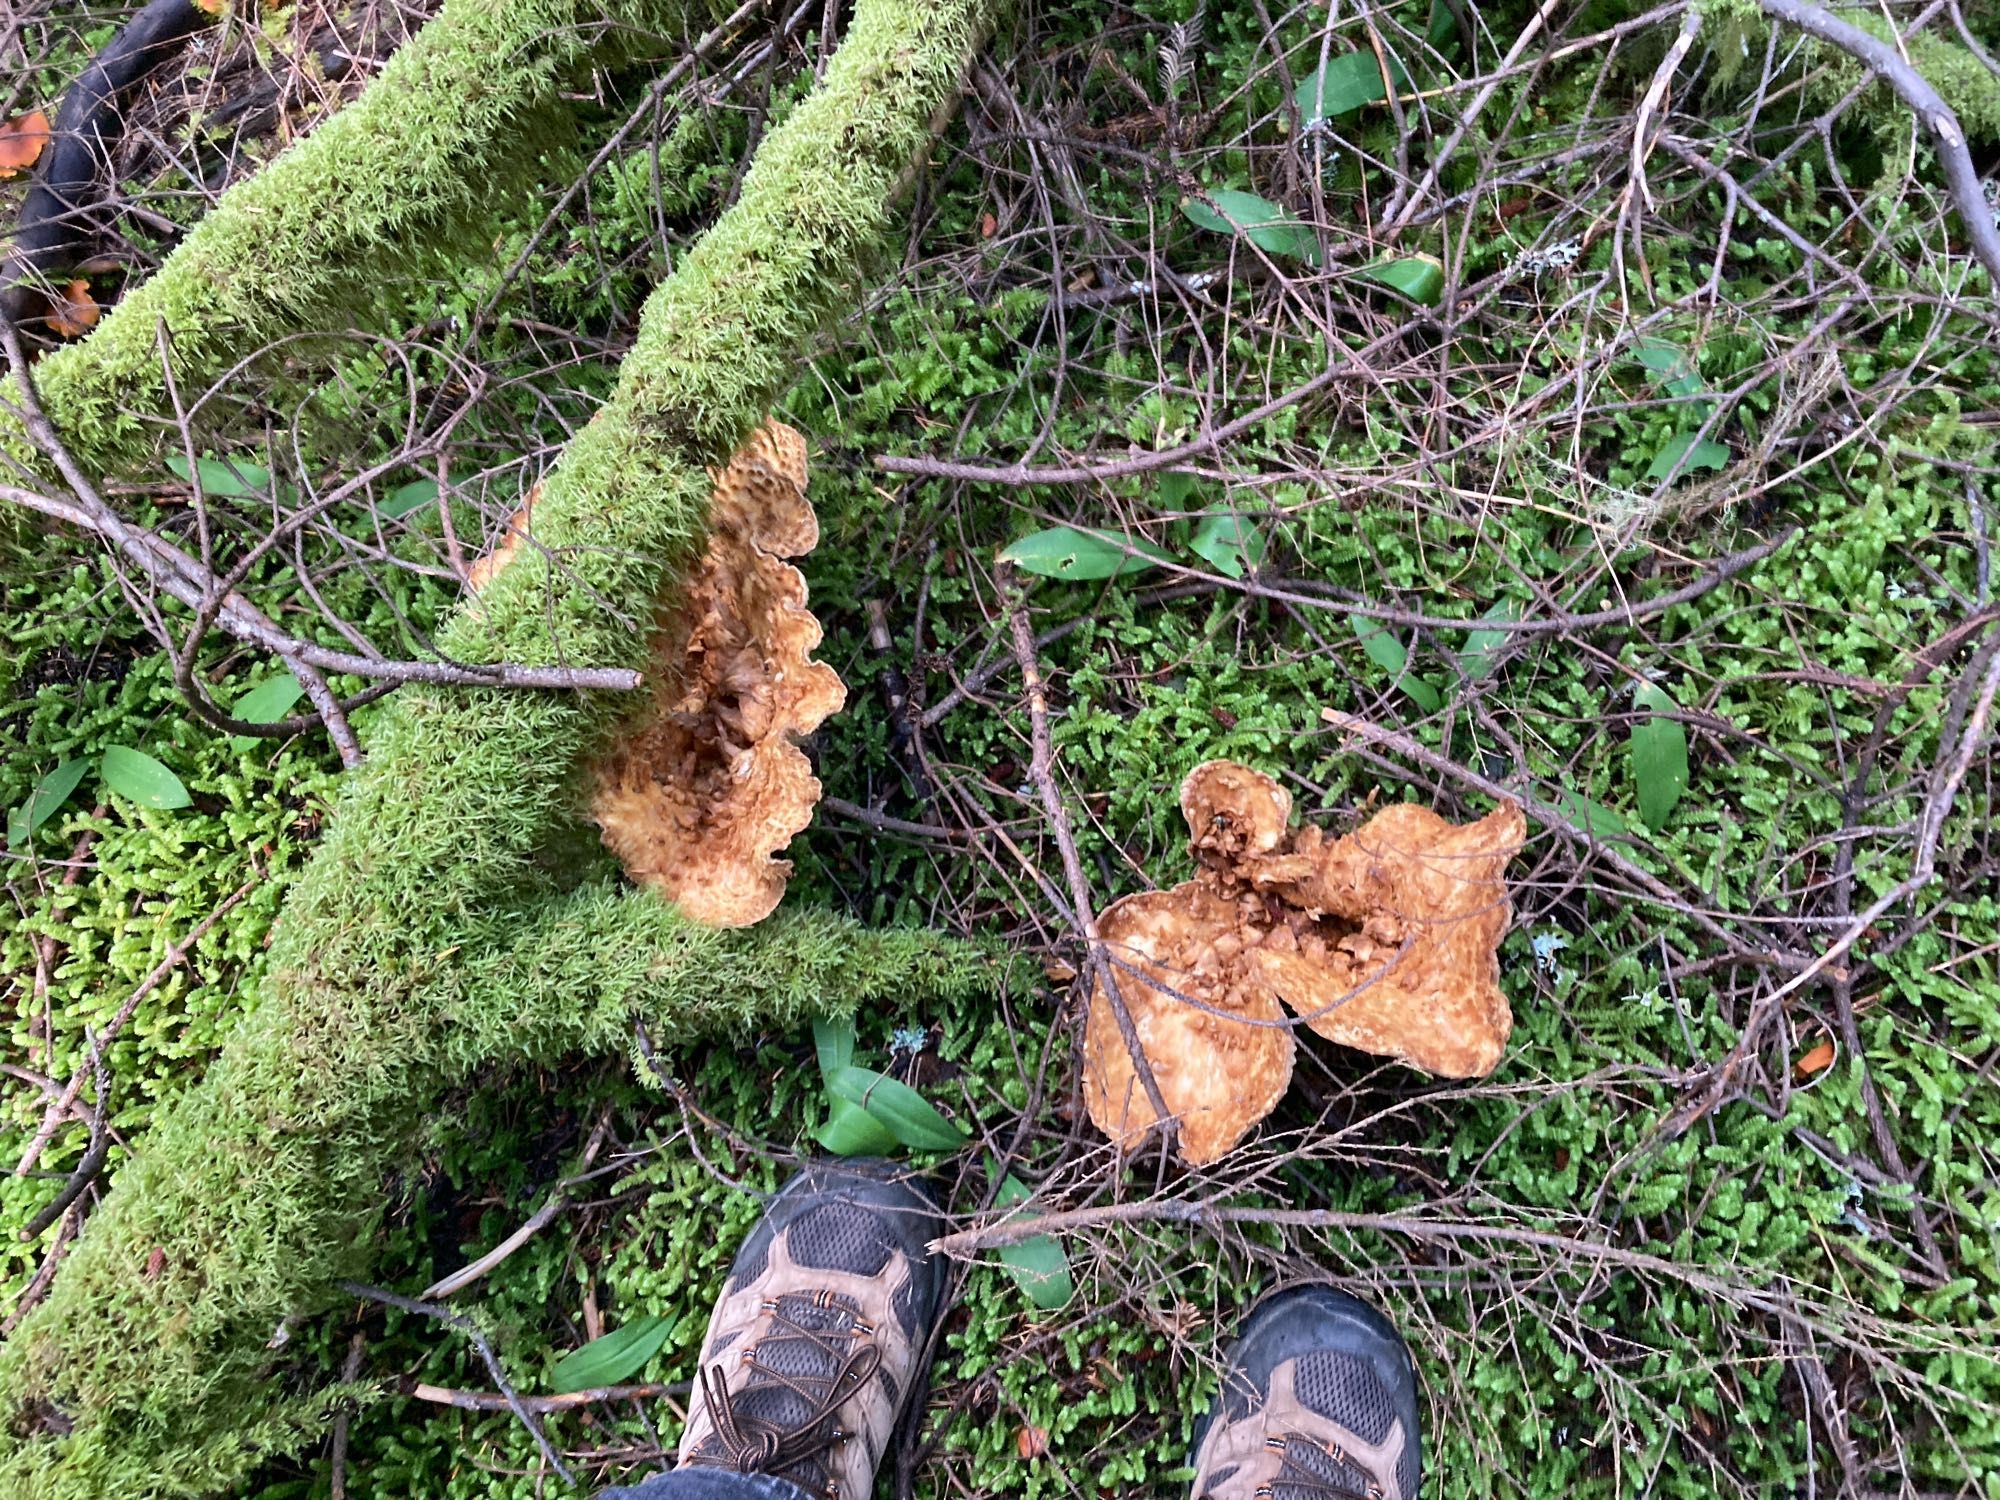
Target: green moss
[(453, 132), (397, 965)]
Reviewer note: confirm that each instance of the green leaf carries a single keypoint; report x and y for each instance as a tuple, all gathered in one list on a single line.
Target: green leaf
[(1418, 277), (614, 1358), (1073, 553), (135, 775), (851, 1131), (1228, 543), (1345, 84), (1176, 490), (1039, 1266), (409, 497), (1475, 657), (1393, 657), (43, 798), (833, 1040), (1262, 222), (225, 480), (1442, 27), (907, 1115), (1659, 756), (266, 703), (1699, 455), (1594, 818)]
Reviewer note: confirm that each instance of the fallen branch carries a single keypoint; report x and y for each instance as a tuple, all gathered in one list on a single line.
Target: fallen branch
[(1961, 177)]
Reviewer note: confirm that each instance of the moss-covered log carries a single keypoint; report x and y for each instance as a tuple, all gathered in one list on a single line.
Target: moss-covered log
[(452, 133), (437, 930)]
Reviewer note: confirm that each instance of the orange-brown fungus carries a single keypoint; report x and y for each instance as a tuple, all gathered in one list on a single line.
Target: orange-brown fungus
[(1218, 1076), (485, 569), (1384, 940), (703, 792)]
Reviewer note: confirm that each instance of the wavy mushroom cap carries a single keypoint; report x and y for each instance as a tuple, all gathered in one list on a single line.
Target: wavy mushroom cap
[(703, 791), (1221, 1063)]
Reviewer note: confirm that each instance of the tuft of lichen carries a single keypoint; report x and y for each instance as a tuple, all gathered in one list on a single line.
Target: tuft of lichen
[(434, 932)]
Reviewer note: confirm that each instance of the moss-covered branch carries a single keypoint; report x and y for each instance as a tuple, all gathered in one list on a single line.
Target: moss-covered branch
[(400, 965), (452, 132)]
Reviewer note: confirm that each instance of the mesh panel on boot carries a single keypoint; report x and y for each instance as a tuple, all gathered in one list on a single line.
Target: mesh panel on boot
[(1313, 1462), (907, 1308), (1344, 1389), (839, 1236)]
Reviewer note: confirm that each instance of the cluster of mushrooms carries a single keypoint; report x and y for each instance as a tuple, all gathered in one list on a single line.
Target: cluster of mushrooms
[(1383, 940)]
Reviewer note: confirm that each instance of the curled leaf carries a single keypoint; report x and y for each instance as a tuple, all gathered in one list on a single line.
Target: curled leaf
[(43, 800), (73, 312), (617, 1356)]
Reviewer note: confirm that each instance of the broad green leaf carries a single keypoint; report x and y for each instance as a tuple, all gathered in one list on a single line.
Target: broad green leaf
[(1074, 553), (1594, 818), (833, 1040), (266, 703), (1176, 490), (1259, 220), (613, 1359), (1393, 657), (43, 798), (1699, 455), (409, 497), (1475, 657), (851, 1131), (1418, 277), (222, 480), (1672, 364), (1659, 756), (1443, 26), (1345, 84), (907, 1115), (1039, 1266), (136, 775), (1228, 543)]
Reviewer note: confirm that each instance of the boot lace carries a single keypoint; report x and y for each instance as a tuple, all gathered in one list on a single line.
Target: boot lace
[(1297, 1480), (755, 1445)]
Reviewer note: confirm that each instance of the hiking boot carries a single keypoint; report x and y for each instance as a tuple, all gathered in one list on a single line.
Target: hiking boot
[(812, 1352), (1318, 1402)]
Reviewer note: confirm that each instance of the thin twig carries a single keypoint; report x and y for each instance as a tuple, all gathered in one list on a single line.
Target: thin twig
[(470, 1329), (539, 1220), (1041, 771), (1961, 177), (444, 1395), (58, 1108)]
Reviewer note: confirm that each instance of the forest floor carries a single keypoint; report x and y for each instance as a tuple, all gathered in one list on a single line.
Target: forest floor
[(1719, 456)]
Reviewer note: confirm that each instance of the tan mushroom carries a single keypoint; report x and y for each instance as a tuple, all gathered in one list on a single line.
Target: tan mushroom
[(1384, 940), (1219, 1076), (703, 791), (1389, 943)]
